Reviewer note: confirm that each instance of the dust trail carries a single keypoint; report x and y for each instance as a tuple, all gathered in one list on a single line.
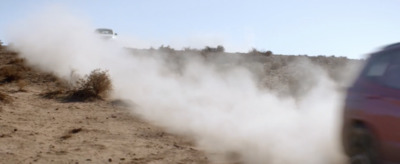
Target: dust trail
[(223, 110)]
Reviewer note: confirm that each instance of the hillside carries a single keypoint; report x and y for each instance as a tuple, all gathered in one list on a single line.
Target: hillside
[(37, 127)]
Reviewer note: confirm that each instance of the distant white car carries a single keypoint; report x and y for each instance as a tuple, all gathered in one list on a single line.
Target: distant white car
[(106, 33)]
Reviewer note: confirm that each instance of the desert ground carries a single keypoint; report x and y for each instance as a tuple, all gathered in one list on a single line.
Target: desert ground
[(39, 123), (36, 129)]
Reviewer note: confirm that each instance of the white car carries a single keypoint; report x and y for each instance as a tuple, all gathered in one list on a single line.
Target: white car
[(106, 33)]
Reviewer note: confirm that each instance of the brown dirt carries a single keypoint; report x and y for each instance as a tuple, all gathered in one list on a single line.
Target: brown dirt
[(35, 129)]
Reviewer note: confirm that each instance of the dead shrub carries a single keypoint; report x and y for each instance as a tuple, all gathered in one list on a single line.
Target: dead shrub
[(256, 52), (5, 98), (268, 53), (10, 73), (20, 63), (21, 85), (96, 85), (17, 61), (276, 65)]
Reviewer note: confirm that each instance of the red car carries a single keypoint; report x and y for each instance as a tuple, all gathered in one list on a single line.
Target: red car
[(371, 127)]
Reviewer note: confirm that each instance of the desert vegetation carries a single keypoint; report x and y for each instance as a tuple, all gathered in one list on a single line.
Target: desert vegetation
[(15, 71), (254, 51), (4, 98), (96, 85), (12, 69), (286, 75), (275, 72)]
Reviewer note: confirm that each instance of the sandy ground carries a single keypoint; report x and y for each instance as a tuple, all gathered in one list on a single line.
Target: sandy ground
[(34, 129)]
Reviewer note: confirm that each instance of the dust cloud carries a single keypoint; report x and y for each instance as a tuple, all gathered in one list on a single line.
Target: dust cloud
[(222, 109)]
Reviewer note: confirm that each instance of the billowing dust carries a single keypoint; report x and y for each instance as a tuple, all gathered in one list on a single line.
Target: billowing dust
[(217, 102)]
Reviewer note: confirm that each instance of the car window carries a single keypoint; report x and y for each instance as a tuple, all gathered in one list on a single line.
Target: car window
[(385, 69), (378, 69), (104, 31), (378, 66), (391, 77)]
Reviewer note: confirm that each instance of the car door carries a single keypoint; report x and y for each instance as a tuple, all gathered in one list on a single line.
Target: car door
[(383, 102)]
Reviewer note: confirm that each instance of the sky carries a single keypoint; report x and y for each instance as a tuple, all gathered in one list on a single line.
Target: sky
[(292, 27)]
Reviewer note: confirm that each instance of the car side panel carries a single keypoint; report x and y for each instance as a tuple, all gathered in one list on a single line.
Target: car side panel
[(379, 108)]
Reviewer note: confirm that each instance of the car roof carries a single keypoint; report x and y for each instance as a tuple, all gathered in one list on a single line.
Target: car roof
[(392, 46), (104, 29), (385, 49)]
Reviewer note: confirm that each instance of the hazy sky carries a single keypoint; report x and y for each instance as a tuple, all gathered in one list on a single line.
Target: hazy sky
[(315, 27)]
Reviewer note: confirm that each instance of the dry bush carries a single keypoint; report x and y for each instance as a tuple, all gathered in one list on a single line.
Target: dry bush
[(97, 82), (96, 85), (13, 69), (21, 85), (218, 49), (17, 61), (254, 51), (268, 53), (10, 73), (275, 65), (167, 49), (209, 51), (5, 98)]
